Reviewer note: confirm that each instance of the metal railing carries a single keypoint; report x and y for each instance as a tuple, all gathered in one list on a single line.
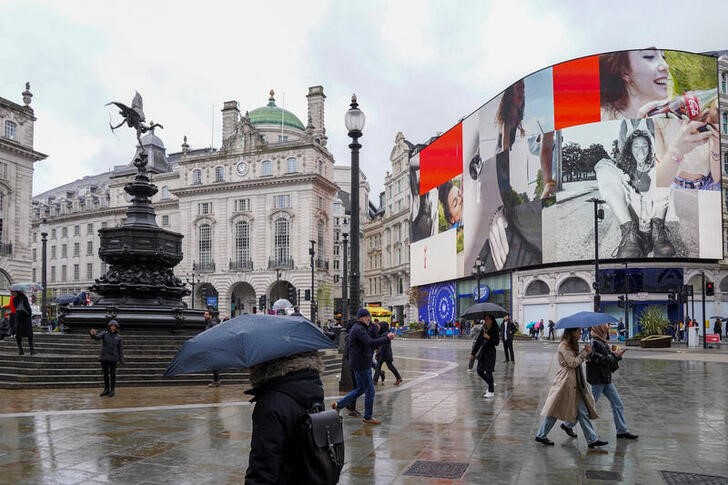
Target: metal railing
[(241, 265), (204, 267), (280, 263)]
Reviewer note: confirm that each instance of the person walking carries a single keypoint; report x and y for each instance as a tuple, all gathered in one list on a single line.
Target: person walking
[(361, 347), (552, 335), (112, 353), (10, 307), (602, 362), (386, 357), (23, 325), (718, 328), (211, 321), (568, 399), (283, 390), (474, 334), (484, 351), (507, 331)]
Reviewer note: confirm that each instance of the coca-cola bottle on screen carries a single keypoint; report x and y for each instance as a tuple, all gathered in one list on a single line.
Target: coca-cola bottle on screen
[(688, 105)]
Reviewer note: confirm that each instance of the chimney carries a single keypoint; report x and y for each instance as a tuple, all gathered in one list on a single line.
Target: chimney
[(230, 118), (316, 99)]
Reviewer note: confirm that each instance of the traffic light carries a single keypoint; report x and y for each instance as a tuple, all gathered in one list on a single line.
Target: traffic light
[(261, 302), (709, 288), (292, 295)]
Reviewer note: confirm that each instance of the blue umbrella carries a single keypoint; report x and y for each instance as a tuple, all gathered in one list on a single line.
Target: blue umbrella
[(245, 341), (65, 299), (26, 287), (585, 319)]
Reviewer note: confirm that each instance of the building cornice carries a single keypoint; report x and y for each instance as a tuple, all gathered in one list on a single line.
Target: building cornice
[(256, 183), (18, 149), (262, 151)]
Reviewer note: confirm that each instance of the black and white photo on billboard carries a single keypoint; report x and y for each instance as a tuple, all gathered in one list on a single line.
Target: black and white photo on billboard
[(423, 208)]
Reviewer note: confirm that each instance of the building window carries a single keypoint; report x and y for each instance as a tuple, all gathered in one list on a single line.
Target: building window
[(292, 165), (53, 251), (320, 202), (89, 248), (165, 220), (242, 205), (10, 130), (165, 192), (77, 230), (205, 246), (53, 231), (282, 201), (725, 163), (64, 250), (53, 274), (281, 239), (336, 250), (336, 264), (537, 288), (724, 82), (320, 242), (103, 224), (320, 167), (89, 229), (266, 168), (574, 284), (89, 271), (64, 232), (35, 257), (64, 273), (76, 250), (34, 278), (219, 174), (76, 273), (3, 170), (724, 122), (242, 242), (282, 138), (196, 177), (204, 208)]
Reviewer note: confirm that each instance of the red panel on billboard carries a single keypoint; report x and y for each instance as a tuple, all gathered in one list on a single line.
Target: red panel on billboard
[(442, 160), (576, 92)]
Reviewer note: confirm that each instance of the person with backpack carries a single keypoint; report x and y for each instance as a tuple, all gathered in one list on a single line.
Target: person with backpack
[(286, 393), (484, 351)]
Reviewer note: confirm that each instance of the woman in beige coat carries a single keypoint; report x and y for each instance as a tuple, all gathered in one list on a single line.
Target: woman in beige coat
[(569, 399)]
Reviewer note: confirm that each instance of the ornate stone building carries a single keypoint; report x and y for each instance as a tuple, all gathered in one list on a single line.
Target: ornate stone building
[(248, 210), (17, 157), (386, 239)]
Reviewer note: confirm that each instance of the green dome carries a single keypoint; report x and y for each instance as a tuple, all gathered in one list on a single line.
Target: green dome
[(272, 115)]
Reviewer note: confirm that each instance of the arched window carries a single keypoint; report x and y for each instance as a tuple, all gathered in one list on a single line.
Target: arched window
[(292, 165), (165, 192), (242, 243), (11, 130), (574, 285), (321, 167), (196, 177), (320, 241), (537, 288), (266, 168), (219, 174), (281, 239), (205, 246)]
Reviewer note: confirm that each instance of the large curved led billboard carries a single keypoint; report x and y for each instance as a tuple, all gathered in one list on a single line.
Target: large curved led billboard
[(510, 184)]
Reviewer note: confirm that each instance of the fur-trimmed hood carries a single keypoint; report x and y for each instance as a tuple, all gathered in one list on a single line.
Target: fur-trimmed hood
[(286, 365)]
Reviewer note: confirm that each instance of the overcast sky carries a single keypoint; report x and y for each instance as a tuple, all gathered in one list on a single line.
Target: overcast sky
[(416, 67)]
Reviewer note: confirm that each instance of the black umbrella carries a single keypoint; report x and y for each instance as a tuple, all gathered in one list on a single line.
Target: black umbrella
[(480, 310), (245, 341)]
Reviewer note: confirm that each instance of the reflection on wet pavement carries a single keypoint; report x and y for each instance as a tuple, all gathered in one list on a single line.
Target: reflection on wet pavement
[(200, 435)]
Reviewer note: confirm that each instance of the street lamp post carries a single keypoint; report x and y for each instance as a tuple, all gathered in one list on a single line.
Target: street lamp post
[(598, 214), (192, 280), (312, 253), (345, 282), (43, 276), (478, 271), (354, 121), (702, 321)]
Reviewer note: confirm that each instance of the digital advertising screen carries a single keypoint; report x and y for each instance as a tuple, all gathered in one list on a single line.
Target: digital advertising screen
[(510, 184)]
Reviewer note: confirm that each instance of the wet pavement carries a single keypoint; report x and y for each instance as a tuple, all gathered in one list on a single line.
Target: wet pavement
[(676, 401)]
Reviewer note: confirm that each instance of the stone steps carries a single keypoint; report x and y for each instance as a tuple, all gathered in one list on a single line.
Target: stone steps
[(71, 360)]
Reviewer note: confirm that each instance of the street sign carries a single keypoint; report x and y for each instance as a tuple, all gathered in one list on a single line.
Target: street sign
[(642, 295)]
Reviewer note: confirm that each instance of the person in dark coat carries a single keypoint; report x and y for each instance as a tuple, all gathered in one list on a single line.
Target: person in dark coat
[(211, 321), (23, 325), (361, 348), (386, 356), (484, 351), (507, 331), (112, 353), (718, 328), (602, 362), (283, 390)]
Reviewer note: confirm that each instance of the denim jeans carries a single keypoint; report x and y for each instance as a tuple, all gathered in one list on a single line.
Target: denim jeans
[(611, 393), (582, 417), (364, 385)]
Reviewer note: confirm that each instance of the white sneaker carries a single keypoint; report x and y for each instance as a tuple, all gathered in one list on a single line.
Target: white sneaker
[(470, 371), (488, 395)]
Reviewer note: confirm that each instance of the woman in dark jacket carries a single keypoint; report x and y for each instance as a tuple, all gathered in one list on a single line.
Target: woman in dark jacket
[(283, 390), (23, 325), (385, 356), (601, 363), (112, 352), (484, 351)]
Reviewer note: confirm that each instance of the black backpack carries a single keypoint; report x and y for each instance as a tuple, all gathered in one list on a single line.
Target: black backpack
[(320, 439)]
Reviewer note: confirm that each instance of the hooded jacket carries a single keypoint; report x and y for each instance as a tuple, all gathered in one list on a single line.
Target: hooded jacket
[(361, 346), (284, 389)]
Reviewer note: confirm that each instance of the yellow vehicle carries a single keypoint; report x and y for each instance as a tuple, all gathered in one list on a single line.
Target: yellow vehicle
[(380, 313)]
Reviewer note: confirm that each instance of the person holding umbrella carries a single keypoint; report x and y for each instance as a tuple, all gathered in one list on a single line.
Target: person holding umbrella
[(569, 398), (361, 348), (484, 351), (23, 325)]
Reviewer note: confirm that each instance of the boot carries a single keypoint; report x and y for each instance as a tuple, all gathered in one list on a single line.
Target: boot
[(630, 245), (646, 238), (105, 393), (111, 392), (20, 350), (660, 242)]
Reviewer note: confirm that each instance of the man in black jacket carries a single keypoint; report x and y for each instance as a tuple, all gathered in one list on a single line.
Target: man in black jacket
[(283, 389), (361, 348), (508, 330)]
